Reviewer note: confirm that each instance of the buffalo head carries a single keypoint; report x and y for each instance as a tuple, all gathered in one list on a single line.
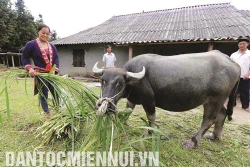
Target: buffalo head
[(113, 85)]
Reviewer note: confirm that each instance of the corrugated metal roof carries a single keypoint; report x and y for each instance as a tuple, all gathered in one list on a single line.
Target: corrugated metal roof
[(196, 23)]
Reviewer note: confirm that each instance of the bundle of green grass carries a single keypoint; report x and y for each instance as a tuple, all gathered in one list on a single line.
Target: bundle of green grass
[(77, 116)]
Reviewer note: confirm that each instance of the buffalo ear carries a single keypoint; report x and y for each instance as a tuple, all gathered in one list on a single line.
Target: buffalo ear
[(130, 81)]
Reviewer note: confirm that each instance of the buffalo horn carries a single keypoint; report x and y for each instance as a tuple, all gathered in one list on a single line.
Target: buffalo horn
[(96, 69), (138, 75)]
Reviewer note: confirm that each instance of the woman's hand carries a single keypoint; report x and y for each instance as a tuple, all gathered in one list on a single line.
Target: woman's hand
[(32, 72)]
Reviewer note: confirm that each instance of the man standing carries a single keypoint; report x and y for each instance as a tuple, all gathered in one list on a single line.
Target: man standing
[(242, 57), (109, 59)]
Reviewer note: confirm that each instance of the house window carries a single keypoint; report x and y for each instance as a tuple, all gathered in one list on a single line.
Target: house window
[(78, 58)]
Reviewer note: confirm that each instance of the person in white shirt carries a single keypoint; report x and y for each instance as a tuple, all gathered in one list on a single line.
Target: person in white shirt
[(242, 57), (109, 59)]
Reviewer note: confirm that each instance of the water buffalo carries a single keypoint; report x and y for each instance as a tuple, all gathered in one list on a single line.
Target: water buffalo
[(175, 83)]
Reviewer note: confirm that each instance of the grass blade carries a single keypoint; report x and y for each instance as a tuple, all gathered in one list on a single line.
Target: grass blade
[(7, 102)]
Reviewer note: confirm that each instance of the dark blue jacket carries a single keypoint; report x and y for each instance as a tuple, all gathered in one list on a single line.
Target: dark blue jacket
[(31, 50)]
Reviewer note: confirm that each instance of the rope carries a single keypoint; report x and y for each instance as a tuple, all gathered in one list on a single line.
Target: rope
[(104, 103)]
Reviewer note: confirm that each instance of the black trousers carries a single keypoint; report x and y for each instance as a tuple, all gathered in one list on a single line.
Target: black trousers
[(244, 93)]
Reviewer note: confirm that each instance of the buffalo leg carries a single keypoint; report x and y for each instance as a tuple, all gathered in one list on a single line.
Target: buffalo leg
[(211, 110), (220, 119), (130, 105), (150, 111)]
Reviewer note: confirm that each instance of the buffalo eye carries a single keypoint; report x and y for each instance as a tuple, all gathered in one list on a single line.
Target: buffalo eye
[(119, 84), (103, 82)]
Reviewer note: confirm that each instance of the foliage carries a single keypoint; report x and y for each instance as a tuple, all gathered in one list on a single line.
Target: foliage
[(17, 26), (75, 98), (8, 23), (40, 19), (59, 127), (25, 27), (53, 35)]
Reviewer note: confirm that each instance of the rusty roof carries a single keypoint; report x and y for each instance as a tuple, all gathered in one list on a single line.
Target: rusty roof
[(195, 23)]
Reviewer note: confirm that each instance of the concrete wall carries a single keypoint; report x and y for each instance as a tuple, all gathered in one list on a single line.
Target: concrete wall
[(93, 53), (66, 60)]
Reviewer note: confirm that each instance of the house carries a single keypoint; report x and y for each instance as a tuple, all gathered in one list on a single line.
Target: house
[(166, 32)]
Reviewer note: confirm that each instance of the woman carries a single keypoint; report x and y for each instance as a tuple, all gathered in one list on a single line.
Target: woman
[(44, 56)]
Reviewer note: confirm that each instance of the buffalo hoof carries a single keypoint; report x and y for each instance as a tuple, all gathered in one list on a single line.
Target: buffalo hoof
[(189, 144), (229, 118), (211, 136), (147, 134)]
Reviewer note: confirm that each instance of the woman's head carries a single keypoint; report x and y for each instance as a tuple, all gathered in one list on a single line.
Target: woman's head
[(43, 32)]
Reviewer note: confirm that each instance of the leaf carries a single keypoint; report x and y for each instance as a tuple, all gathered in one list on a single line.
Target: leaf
[(1, 120), (7, 102)]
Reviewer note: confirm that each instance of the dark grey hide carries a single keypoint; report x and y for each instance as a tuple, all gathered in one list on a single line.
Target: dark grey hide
[(177, 83)]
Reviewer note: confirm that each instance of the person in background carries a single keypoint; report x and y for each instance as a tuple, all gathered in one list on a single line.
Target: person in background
[(242, 57), (109, 59), (44, 56)]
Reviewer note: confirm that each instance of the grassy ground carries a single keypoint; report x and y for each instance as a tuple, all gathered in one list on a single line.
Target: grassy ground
[(233, 150)]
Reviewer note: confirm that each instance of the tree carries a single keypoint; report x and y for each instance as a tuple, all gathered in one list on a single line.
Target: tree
[(40, 20), (26, 26), (17, 26), (7, 25), (53, 35)]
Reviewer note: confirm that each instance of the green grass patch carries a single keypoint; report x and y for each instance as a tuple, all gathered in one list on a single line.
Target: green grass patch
[(26, 116)]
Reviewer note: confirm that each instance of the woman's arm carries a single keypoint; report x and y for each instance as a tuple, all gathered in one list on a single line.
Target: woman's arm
[(26, 55)]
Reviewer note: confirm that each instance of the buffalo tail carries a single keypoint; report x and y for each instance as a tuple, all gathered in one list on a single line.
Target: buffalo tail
[(232, 101)]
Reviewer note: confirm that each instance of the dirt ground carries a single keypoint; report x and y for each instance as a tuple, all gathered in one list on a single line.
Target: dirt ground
[(240, 116)]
